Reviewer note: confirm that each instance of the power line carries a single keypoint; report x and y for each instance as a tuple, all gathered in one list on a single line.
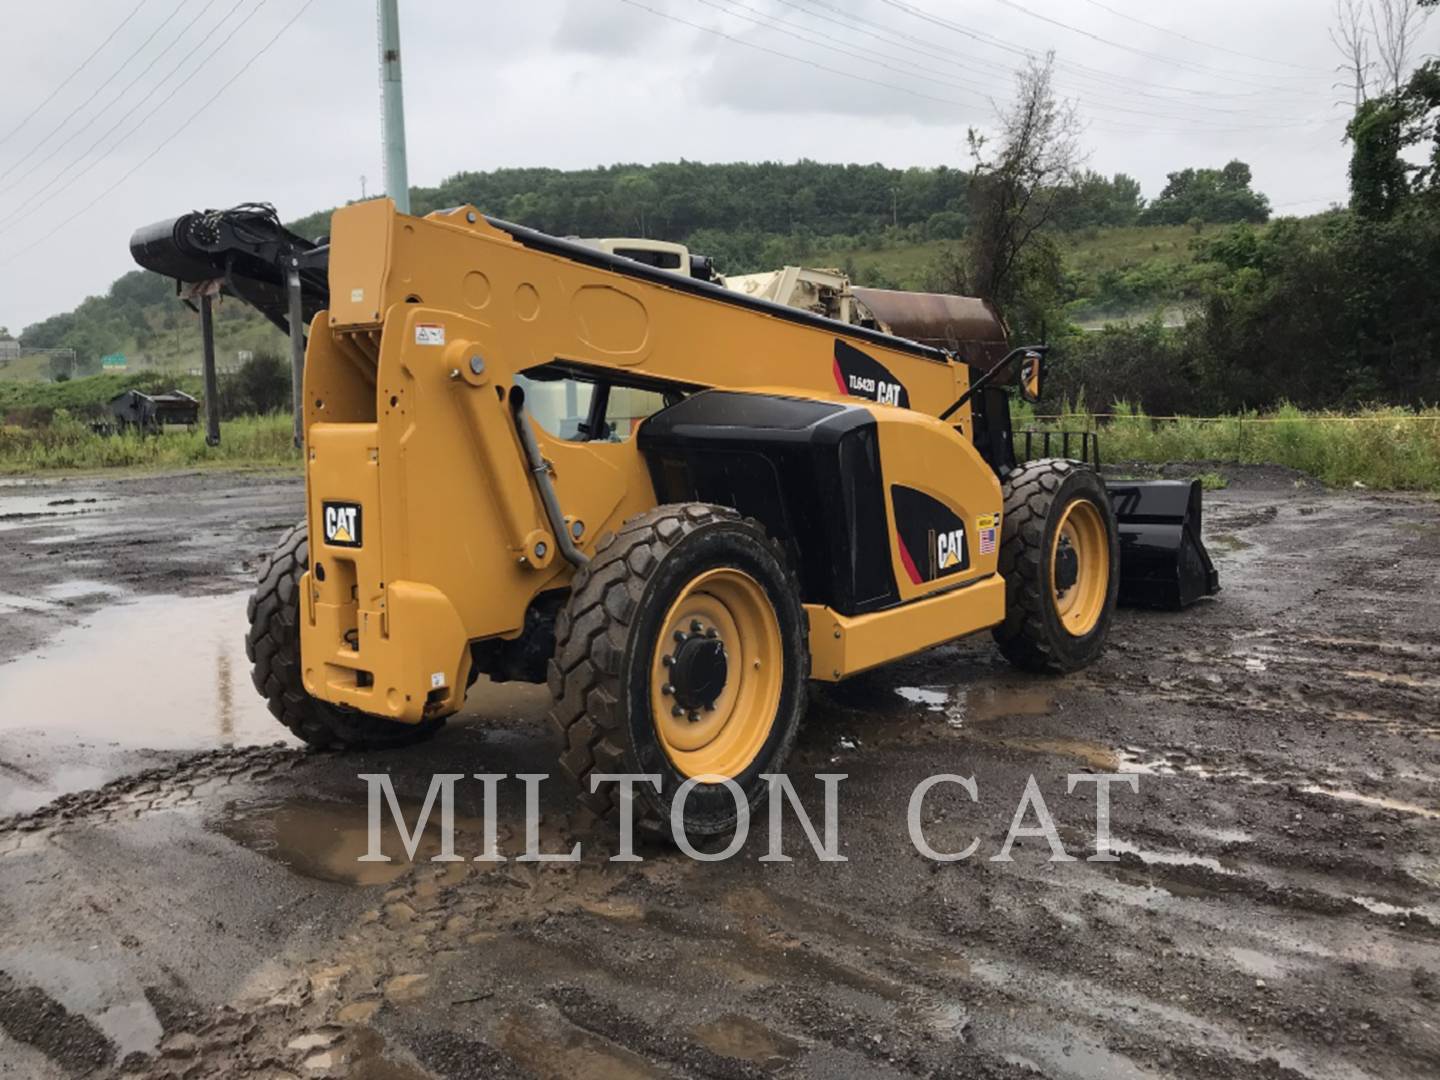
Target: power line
[(773, 25), (1120, 83), (1161, 57), (79, 68), (979, 91), (28, 209), (1194, 41), (920, 47), (986, 38), (788, 56), (95, 93), (54, 150), (168, 139)]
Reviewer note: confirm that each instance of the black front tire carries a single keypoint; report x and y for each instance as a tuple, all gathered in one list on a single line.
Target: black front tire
[(1033, 636), (273, 646), (606, 640)]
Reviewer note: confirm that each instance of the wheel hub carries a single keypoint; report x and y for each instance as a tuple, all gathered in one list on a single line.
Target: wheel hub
[(716, 673), (1067, 566), (1080, 567), (698, 669)]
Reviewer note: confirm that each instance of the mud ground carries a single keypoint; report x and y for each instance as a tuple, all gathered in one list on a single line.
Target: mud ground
[(180, 897)]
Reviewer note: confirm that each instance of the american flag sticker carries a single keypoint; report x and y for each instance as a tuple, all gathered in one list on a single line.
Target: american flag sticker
[(987, 541)]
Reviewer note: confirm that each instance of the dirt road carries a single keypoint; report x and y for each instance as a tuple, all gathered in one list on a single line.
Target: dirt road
[(179, 897)]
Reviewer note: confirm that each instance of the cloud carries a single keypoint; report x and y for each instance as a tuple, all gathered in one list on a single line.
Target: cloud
[(752, 81), (607, 29)]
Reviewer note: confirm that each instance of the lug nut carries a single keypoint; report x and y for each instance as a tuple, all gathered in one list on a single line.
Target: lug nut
[(667, 689), (667, 661), (695, 626), (677, 711), (710, 633), (694, 716), (680, 635)]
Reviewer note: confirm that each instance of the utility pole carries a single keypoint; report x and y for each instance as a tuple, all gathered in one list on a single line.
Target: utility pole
[(212, 384), (392, 120)]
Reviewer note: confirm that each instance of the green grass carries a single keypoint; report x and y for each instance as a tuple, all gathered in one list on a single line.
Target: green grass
[(87, 395), (69, 444), (25, 368), (1095, 250), (906, 265), (1383, 449)]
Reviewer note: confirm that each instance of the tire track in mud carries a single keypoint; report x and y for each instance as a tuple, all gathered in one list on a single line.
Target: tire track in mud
[(169, 786)]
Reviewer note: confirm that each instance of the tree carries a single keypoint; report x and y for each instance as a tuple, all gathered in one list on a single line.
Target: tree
[(1396, 26), (261, 386), (1014, 197), (1351, 37), (1221, 196), (1399, 111), (1090, 200), (1379, 176), (632, 195), (1423, 121)]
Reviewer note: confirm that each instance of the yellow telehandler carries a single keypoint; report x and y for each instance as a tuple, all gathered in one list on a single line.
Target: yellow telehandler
[(536, 459)]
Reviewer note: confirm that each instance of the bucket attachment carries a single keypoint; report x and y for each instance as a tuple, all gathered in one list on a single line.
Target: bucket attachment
[(1163, 561)]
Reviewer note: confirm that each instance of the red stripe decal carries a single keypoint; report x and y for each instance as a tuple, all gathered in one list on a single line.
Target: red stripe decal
[(915, 578), (840, 378)]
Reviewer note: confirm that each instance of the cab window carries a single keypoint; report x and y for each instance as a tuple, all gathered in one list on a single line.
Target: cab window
[(581, 410)]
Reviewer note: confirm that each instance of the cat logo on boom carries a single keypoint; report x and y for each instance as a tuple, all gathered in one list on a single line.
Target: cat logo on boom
[(342, 524)]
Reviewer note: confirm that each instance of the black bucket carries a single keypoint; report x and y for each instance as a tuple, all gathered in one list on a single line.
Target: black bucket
[(1163, 561)]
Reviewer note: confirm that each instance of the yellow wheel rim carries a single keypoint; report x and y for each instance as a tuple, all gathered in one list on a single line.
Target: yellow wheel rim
[(1080, 567), (713, 716)]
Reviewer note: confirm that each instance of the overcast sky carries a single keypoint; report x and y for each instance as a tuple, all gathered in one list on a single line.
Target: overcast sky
[(573, 83)]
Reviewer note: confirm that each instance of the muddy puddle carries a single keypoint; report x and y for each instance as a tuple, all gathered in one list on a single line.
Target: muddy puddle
[(157, 673), (18, 508), (740, 1037), (975, 704), (59, 596), (325, 841), (548, 1046)]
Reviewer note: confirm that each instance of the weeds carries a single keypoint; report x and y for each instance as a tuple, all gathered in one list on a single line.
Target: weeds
[(1382, 449), (67, 443), (1389, 449)]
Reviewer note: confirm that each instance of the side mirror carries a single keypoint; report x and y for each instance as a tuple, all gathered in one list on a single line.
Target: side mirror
[(1032, 375)]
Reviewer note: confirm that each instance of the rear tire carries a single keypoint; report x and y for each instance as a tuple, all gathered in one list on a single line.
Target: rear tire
[(1060, 557), (273, 646), (740, 675)]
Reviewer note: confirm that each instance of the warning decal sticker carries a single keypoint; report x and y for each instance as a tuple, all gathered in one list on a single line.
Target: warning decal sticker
[(986, 528)]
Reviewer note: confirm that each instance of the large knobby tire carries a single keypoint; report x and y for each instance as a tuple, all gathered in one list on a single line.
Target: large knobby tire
[(695, 590), (273, 646), (1060, 557)]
